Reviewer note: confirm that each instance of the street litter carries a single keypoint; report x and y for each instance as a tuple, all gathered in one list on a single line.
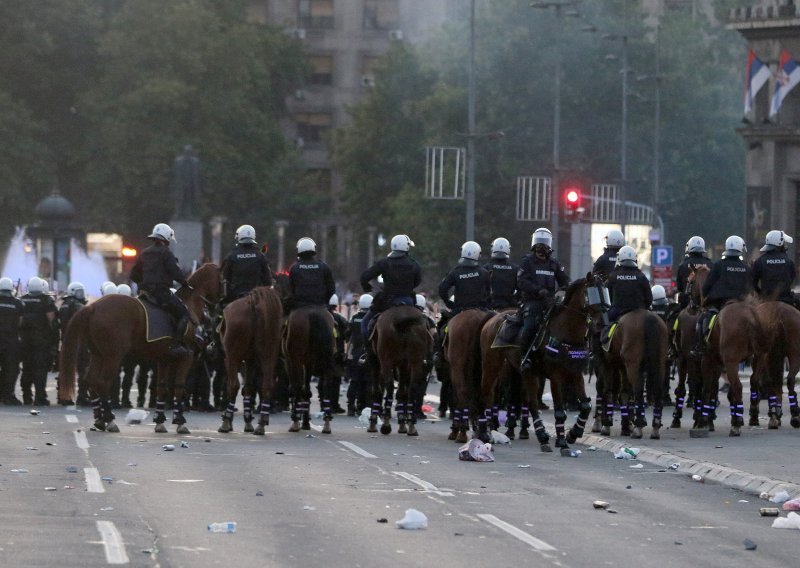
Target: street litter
[(69, 487), (567, 453), (35, 412), (72, 469), (413, 520), (600, 505), (20, 470), (769, 511), (131, 465), (364, 416), (764, 495), (49, 488), (136, 416), (383, 520), (500, 438), (168, 447), (674, 466), (49, 443), (45, 433), (123, 482), (309, 508), (319, 414), (780, 497), (591, 449), (310, 436), (475, 450), (612, 511), (743, 501), (107, 509), (184, 444), (627, 454), (227, 527), (31, 448), (792, 505), (749, 544), (696, 477), (427, 408), (108, 480), (637, 466), (524, 466), (259, 493), (790, 522)]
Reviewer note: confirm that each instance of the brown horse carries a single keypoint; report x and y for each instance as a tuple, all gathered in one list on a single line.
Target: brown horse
[(781, 325), (308, 348), (463, 353), (401, 342), (638, 345), (689, 372), (116, 325), (251, 333), (561, 358), (736, 336)]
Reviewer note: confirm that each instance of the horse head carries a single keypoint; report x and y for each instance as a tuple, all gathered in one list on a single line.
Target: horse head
[(206, 284), (695, 280)]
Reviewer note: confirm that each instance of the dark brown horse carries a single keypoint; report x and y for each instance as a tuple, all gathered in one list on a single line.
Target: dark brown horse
[(308, 347), (735, 337), (561, 358), (463, 353), (401, 342), (115, 325), (781, 325), (689, 371), (251, 333), (638, 346)]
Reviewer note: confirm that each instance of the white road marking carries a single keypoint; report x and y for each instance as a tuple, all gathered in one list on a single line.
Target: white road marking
[(427, 486), (185, 480), (534, 542), (93, 482), (356, 449), (433, 398), (71, 418), (112, 542), (80, 439)]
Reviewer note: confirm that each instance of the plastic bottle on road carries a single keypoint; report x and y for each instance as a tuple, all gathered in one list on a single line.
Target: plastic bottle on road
[(228, 527)]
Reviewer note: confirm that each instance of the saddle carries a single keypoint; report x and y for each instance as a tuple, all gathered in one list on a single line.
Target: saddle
[(158, 322), (508, 334)]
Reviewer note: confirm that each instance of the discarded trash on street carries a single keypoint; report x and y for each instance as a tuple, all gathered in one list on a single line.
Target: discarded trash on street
[(309, 508), (524, 466), (383, 520), (226, 527), (363, 418), (769, 511), (780, 497), (72, 469), (49, 488), (413, 520), (108, 480), (168, 447), (35, 412), (591, 449), (500, 438), (475, 450), (674, 466), (136, 416), (792, 521), (698, 478), (600, 505), (567, 453), (184, 444), (792, 505), (20, 470), (749, 544), (31, 448), (637, 466), (627, 454)]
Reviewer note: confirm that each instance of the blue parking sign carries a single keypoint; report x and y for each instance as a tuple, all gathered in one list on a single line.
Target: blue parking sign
[(662, 255)]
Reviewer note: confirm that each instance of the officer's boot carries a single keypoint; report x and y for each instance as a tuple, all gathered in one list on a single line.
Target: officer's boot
[(701, 330), (525, 348), (41, 393), (178, 349)]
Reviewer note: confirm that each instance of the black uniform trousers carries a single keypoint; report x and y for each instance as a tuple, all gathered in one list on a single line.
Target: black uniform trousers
[(9, 366), (35, 363)]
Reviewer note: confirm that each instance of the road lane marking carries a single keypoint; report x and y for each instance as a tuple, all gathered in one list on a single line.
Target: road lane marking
[(93, 482), (534, 542), (80, 439), (356, 449), (427, 486), (112, 543), (71, 418)]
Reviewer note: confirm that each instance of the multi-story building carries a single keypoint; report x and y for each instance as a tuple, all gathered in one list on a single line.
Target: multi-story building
[(343, 39)]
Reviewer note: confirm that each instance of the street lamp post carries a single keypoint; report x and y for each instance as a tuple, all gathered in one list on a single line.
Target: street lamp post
[(470, 189)]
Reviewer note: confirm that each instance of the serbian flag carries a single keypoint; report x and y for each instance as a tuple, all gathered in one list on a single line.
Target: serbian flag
[(787, 77), (756, 76)]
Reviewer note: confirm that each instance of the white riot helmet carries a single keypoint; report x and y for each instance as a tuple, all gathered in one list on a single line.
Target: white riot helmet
[(659, 295), (76, 290), (401, 243), (776, 240), (36, 285), (109, 288), (125, 290), (334, 301), (245, 234), (695, 244), (162, 232), (471, 250), (421, 302), (627, 257), (365, 301), (542, 236), (734, 246), (306, 245), (6, 284), (501, 248), (45, 286), (615, 238)]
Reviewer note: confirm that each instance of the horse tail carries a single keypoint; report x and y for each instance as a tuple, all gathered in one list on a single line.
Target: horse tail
[(402, 325), (320, 333), (75, 336), (654, 362)]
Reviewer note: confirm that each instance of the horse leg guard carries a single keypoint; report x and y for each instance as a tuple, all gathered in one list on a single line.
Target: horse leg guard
[(755, 399), (598, 414), (463, 426), (400, 409), (160, 418), (579, 427), (108, 418), (561, 417), (677, 414), (608, 419), (97, 412), (775, 413), (737, 419), (625, 420), (247, 413), (794, 410), (511, 423), (295, 415), (655, 434), (455, 421), (306, 425), (179, 419), (263, 421), (373, 418), (525, 423), (483, 427), (495, 417), (541, 435), (227, 419)]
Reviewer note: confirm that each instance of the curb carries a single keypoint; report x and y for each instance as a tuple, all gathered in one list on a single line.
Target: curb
[(728, 476)]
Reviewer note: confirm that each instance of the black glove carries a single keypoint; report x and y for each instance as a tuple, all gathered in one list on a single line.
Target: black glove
[(543, 294)]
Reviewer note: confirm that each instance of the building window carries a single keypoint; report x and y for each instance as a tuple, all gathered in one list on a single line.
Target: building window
[(381, 14), (311, 126), (322, 69), (315, 14)]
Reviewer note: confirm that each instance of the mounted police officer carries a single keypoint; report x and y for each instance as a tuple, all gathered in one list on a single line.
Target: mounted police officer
[(628, 286), (310, 280), (245, 267), (36, 333), (357, 390), (468, 280), (74, 300), (695, 257), (154, 271), (11, 312), (502, 276), (774, 271), (607, 262), (401, 275), (538, 278)]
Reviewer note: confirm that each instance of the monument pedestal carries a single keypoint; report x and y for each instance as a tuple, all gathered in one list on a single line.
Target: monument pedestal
[(189, 245)]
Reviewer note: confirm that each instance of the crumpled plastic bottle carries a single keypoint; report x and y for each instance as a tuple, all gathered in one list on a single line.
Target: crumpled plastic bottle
[(413, 520), (226, 527)]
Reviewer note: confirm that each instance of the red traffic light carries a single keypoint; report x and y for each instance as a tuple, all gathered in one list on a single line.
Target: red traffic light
[(573, 196), (129, 252)]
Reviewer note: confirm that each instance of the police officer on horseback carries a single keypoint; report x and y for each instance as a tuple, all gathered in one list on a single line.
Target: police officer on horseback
[(607, 262), (245, 267), (695, 257), (774, 271), (401, 275), (310, 280), (502, 276), (155, 271), (538, 278), (628, 286), (468, 280)]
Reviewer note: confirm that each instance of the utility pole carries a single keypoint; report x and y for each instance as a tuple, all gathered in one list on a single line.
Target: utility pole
[(624, 149), (470, 189)]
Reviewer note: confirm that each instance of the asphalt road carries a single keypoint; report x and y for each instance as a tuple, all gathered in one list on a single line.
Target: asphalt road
[(312, 500)]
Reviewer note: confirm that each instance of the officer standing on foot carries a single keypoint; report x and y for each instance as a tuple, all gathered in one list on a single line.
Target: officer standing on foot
[(11, 312), (36, 332)]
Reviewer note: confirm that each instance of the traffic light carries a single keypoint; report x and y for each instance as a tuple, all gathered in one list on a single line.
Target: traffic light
[(573, 202)]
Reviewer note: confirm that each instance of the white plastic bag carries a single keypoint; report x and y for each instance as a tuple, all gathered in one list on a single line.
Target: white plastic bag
[(364, 416), (500, 438), (780, 497), (792, 521), (136, 416), (627, 454), (475, 450), (413, 520)]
